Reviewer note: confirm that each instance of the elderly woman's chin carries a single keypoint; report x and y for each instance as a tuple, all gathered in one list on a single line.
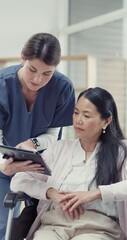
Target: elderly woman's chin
[(79, 132)]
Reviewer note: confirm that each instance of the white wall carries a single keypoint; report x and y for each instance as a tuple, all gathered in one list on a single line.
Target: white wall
[(20, 19)]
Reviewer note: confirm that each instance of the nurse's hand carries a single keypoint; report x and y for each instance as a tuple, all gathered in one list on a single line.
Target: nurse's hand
[(26, 145), (10, 167)]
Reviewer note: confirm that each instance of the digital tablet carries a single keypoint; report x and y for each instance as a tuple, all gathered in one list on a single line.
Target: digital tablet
[(23, 155)]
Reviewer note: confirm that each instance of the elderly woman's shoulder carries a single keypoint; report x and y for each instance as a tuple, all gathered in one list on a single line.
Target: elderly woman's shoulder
[(61, 146), (124, 141), (66, 143)]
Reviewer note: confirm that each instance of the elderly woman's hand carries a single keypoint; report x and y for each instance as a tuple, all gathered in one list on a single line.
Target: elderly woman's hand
[(61, 199), (76, 199)]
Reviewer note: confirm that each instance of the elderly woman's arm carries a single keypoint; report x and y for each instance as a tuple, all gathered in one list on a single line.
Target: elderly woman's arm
[(33, 184)]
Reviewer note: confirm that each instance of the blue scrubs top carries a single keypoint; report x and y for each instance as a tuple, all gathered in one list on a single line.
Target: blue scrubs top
[(53, 107)]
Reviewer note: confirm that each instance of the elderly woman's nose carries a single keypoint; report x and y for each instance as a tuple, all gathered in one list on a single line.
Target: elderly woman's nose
[(79, 119)]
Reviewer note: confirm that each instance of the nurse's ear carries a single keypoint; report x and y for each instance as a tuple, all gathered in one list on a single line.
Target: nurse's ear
[(22, 59)]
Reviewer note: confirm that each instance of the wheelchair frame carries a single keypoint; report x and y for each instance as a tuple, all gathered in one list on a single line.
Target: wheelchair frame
[(10, 202)]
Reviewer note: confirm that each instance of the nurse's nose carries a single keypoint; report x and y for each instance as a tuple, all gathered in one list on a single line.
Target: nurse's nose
[(38, 78)]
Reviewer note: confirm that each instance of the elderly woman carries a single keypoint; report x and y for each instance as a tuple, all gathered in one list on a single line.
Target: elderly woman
[(85, 198)]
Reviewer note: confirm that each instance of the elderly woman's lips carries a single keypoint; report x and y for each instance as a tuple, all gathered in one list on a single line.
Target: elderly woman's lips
[(80, 129)]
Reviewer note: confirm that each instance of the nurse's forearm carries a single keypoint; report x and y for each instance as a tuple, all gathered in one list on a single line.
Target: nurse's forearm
[(48, 138), (1, 136), (1, 156)]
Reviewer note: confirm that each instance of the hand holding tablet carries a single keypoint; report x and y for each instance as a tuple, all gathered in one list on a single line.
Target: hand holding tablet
[(23, 155)]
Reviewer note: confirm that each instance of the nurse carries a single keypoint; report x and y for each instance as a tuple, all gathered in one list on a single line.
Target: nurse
[(35, 101)]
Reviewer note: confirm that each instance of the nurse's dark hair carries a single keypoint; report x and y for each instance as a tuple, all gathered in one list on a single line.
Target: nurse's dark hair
[(108, 166), (43, 46)]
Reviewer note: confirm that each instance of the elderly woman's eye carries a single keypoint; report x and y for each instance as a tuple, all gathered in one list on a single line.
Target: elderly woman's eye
[(75, 112), (87, 116)]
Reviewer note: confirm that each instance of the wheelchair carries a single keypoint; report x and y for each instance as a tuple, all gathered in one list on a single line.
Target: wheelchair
[(17, 228)]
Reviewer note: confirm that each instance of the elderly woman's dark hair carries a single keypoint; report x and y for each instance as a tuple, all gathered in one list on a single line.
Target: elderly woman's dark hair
[(108, 154), (43, 46)]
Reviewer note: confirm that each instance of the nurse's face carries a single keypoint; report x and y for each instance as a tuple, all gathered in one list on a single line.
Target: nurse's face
[(35, 74)]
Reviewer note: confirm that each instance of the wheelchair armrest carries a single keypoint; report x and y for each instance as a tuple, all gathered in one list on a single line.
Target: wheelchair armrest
[(12, 198)]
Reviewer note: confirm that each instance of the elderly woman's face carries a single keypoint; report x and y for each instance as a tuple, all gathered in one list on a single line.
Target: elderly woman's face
[(87, 120)]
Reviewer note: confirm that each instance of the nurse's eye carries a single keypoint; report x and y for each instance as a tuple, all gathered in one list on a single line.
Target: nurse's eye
[(32, 70), (46, 74)]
